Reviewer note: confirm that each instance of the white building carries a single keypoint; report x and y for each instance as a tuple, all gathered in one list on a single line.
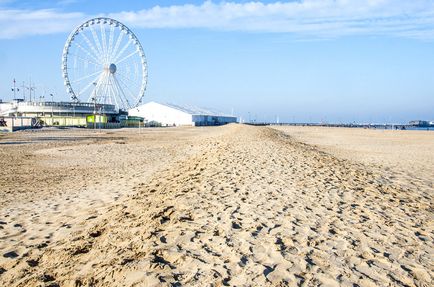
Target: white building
[(37, 109), (173, 115)]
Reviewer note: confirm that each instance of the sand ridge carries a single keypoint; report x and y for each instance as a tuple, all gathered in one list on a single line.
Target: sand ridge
[(253, 207)]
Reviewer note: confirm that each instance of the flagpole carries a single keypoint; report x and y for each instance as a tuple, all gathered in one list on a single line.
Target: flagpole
[(23, 90)]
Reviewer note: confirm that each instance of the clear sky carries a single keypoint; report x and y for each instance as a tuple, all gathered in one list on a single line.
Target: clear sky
[(306, 60)]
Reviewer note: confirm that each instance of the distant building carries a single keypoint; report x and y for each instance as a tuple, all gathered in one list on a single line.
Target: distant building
[(174, 115), (419, 123)]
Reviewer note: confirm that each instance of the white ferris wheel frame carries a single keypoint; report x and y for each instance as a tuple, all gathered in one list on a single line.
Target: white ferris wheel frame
[(96, 50)]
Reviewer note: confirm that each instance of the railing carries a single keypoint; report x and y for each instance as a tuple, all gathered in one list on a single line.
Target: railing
[(66, 104)]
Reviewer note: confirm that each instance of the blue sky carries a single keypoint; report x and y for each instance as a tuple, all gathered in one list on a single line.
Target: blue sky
[(311, 60)]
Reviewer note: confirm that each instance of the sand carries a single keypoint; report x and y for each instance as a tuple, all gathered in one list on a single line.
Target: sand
[(224, 206), (410, 154)]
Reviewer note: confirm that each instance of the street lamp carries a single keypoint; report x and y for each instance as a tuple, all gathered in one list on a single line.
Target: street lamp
[(94, 112), (15, 90), (52, 103), (94, 105)]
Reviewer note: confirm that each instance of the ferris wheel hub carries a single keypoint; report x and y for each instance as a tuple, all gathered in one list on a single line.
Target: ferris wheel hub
[(112, 68)]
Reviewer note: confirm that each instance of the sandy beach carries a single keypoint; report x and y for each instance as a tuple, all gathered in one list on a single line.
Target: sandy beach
[(234, 205)]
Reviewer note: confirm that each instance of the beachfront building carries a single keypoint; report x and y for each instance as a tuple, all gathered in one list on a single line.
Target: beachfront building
[(40, 109), (422, 124), (58, 113), (174, 115)]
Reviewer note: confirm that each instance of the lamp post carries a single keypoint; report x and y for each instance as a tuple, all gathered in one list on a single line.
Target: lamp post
[(15, 90), (94, 112), (103, 114), (52, 103), (31, 89), (23, 90), (94, 105)]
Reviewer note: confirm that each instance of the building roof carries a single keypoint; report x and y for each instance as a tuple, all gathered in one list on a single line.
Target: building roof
[(192, 110)]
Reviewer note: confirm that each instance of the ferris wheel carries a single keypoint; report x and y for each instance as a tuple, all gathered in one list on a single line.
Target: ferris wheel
[(103, 62)]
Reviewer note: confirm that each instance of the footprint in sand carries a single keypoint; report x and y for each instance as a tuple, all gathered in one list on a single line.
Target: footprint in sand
[(10, 254)]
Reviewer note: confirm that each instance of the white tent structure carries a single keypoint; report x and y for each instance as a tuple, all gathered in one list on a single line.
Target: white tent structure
[(173, 115)]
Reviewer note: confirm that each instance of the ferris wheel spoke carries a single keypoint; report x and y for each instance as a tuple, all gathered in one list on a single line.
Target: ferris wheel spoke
[(124, 76), (98, 87), (94, 96), (112, 92), (109, 50), (131, 68), (115, 49), (125, 79), (106, 92), (104, 42), (112, 89), (92, 47), (97, 42), (109, 91), (122, 51), (126, 57), (90, 84), (128, 89), (87, 53), (85, 77), (122, 92), (117, 93), (94, 92)]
